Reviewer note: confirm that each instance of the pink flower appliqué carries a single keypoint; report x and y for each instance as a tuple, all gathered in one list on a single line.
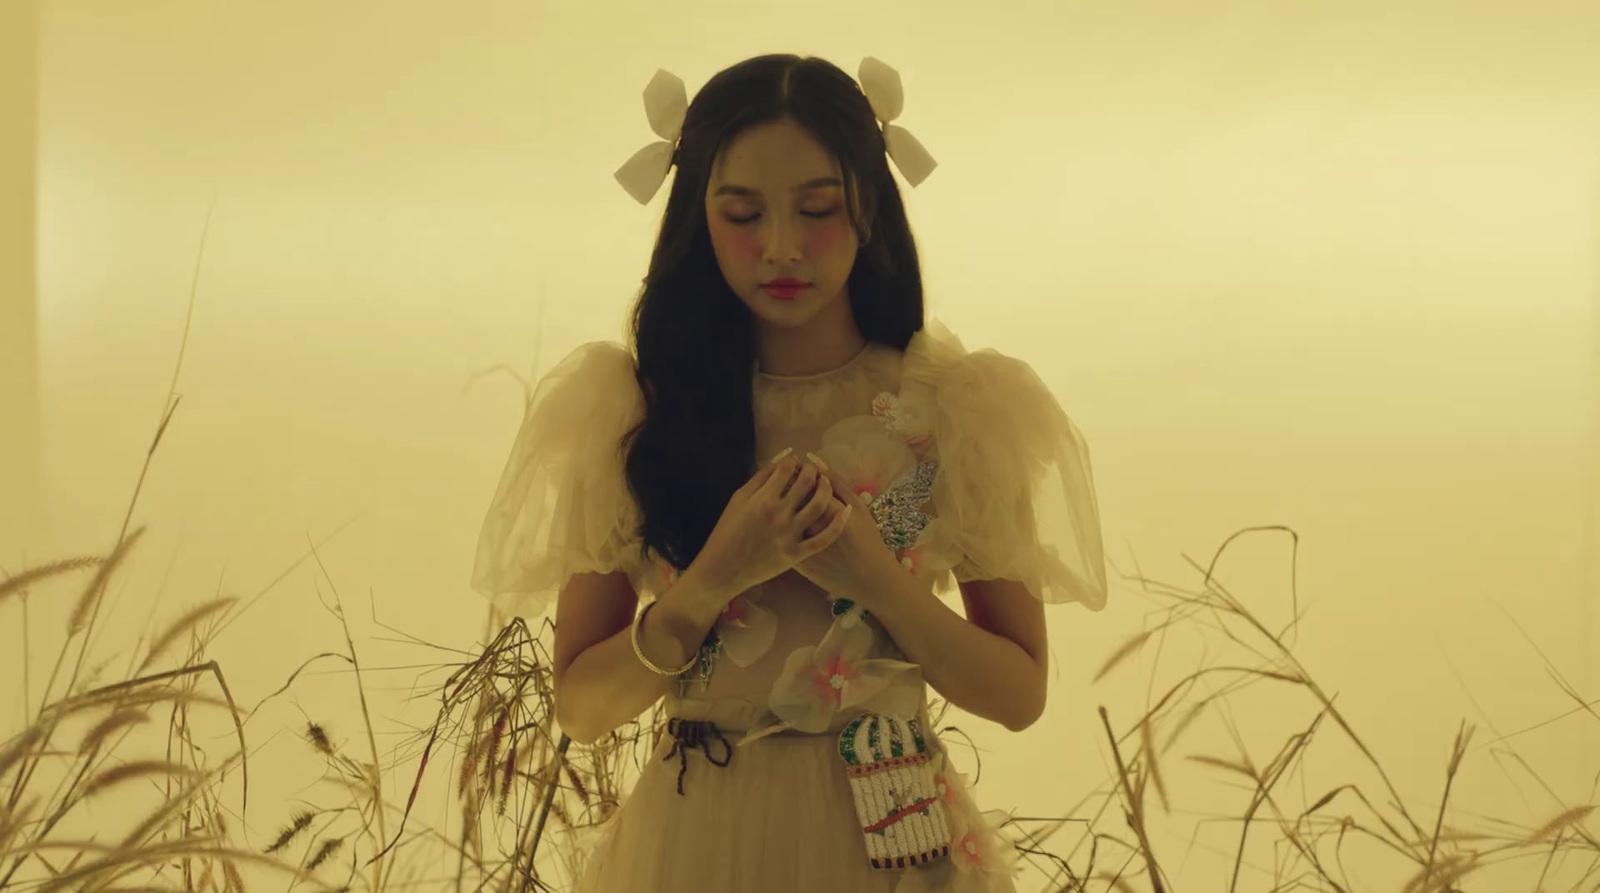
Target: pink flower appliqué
[(935, 551), (819, 681), (950, 784), (976, 847), (866, 456), (968, 851), (746, 629), (984, 860)]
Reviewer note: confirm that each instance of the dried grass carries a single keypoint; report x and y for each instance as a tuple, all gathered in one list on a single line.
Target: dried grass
[(1442, 857), (517, 774)]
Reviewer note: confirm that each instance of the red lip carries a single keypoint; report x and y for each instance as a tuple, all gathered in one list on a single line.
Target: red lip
[(783, 283), (785, 292)]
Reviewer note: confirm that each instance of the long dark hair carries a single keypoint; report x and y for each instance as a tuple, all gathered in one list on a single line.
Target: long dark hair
[(694, 338)]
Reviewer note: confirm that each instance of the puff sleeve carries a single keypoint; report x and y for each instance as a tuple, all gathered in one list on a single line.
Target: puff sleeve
[(1015, 489), (562, 505)]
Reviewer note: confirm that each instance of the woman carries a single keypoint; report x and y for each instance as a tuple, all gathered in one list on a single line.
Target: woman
[(791, 619)]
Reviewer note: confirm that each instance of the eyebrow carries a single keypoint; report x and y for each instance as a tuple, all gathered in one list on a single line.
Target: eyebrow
[(818, 183)]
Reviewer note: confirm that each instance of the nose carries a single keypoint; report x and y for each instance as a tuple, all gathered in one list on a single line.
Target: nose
[(781, 240)]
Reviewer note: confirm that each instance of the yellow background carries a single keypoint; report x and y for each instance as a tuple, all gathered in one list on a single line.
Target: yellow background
[(1327, 265)]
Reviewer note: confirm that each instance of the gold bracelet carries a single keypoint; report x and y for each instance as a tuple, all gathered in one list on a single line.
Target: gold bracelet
[(637, 622)]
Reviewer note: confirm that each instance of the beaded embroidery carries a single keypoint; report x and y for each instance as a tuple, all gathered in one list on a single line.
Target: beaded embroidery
[(709, 649), (896, 797)]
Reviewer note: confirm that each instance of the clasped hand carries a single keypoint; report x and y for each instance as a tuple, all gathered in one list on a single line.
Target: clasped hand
[(849, 566), (759, 535)]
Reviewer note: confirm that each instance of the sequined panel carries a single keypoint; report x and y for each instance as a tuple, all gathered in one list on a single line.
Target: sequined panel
[(897, 509)]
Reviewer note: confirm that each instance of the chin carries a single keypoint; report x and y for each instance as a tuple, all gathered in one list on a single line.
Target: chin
[(783, 317)]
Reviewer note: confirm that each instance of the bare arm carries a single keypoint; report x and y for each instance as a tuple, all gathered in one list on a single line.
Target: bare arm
[(599, 682), (991, 663)]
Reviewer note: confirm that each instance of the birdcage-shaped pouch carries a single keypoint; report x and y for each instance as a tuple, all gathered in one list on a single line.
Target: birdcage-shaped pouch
[(897, 799)]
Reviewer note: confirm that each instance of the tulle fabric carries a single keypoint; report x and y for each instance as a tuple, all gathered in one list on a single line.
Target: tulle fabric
[(778, 818), (562, 505), (1013, 498), (1015, 488)]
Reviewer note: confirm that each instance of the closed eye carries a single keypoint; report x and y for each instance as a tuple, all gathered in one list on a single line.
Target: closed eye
[(815, 215)]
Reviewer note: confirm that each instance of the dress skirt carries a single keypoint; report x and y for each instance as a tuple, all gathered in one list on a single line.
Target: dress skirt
[(779, 817)]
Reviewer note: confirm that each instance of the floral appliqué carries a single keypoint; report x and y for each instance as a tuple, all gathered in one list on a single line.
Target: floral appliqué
[(903, 419), (818, 682), (744, 631), (977, 847)]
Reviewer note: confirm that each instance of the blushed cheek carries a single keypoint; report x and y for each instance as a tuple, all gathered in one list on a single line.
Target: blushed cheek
[(825, 239), (736, 243), (743, 245)]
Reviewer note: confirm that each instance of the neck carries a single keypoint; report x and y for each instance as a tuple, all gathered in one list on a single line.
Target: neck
[(827, 341)]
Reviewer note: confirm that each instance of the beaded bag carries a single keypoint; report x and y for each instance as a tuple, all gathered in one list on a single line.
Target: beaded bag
[(896, 797)]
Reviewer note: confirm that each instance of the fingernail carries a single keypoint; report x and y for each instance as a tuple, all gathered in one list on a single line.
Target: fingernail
[(786, 452), (818, 459)]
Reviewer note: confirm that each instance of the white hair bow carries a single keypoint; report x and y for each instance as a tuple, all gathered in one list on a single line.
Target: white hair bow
[(666, 103)]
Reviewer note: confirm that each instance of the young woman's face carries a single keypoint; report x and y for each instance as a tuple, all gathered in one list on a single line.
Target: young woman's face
[(775, 207)]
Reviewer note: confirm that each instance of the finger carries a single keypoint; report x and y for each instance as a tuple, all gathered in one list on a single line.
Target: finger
[(828, 533), (801, 487), (820, 503), (846, 495), (762, 475), (841, 519), (777, 476), (791, 476), (835, 508)]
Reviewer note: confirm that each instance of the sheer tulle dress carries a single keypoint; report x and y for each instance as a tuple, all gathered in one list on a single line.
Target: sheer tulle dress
[(800, 756)]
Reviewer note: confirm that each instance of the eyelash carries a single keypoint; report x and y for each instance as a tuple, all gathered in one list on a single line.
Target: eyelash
[(815, 215)]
